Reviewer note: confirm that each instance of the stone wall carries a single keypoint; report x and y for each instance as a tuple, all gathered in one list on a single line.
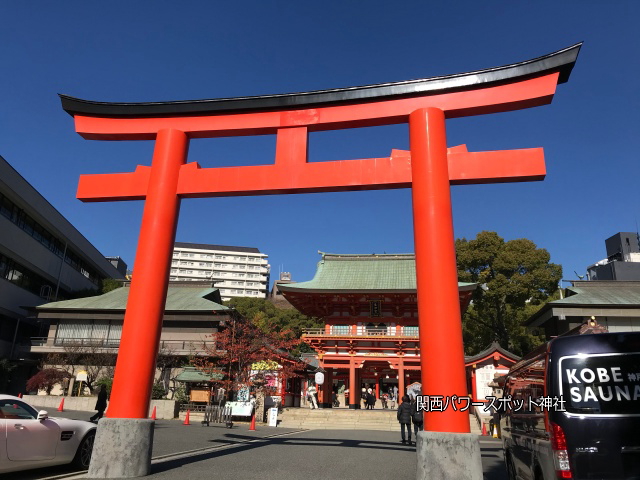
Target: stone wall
[(165, 409)]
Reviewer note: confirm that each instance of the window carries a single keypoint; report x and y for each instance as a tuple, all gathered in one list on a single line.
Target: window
[(410, 331), (340, 329), (599, 384), (15, 409)]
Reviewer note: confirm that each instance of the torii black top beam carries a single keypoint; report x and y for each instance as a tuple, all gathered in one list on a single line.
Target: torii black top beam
[(561, 61)]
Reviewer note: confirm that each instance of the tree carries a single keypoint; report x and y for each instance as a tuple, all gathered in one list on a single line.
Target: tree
[(6, 367), (94, 359), (515, 279), (46, 379), (242, 344), (167, 362), (269, 318)]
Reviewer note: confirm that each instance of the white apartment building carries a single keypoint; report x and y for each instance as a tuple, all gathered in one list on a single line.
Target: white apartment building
[(236, 271)]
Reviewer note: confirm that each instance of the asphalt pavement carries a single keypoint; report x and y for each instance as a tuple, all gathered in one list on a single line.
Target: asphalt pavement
[(197, 452)]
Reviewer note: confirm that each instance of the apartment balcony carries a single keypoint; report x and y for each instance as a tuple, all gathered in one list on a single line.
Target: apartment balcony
[(102, 345), (361, 333)]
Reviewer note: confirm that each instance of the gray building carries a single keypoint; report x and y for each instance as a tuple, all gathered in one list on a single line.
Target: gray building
[(623, 259), (614, 305), (43, 258)]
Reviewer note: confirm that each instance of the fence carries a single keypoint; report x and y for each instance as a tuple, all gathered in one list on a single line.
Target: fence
[(217, 414)]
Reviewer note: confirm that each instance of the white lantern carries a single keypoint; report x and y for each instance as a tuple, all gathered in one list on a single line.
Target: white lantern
[(319, 378)]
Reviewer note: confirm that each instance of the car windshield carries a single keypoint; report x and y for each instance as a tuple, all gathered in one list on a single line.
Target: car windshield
[(15, 409), (601, 384)]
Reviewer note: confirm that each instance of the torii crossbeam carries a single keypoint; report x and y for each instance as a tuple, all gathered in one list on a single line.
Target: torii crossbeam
[(429, 169)]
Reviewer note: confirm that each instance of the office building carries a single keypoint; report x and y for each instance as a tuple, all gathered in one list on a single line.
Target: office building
[(43, 258)]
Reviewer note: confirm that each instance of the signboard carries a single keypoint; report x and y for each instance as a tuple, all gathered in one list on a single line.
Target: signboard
[(375, 308), (319, 378), (240, 409), (273, 417), (81, 376), (243, 394), (484, 375), (199, 396)]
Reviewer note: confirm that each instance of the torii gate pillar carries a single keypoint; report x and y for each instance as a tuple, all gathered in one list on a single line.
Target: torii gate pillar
[(446, 449)]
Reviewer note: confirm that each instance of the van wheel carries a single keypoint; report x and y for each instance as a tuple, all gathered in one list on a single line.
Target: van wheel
[(83, 455), (511, 469)]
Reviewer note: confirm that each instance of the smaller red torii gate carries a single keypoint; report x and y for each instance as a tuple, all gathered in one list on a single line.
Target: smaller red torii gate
[(429, 169)]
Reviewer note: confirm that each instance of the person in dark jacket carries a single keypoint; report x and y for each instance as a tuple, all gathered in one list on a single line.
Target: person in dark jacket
[(404, 415), (371, 399), (101, 404)]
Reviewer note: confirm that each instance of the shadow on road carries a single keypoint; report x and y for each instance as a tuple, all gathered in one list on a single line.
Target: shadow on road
[(236, 443)]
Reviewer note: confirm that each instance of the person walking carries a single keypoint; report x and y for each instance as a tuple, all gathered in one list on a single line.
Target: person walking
[(371, 396), (311, 393), (404, 415), (101, 404)]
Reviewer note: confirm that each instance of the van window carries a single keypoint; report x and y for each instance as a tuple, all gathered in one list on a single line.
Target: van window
[(606, 384), (526, 386)]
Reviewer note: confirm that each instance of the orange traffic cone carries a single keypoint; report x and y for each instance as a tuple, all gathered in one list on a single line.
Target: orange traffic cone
[(252, 427), (61, 407), (484, 429), (186, 419), (153, 414)]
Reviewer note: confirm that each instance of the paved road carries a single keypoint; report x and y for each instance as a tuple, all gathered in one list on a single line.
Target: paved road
[(195, 452)]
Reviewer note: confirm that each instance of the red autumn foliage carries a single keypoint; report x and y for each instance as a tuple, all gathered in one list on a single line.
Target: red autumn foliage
[(46, 379), (241, 345)]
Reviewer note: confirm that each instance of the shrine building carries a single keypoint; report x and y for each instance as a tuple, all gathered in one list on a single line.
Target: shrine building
[(370, 338)]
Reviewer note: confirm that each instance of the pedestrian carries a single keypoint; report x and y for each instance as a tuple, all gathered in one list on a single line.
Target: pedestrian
[(392, 398), (101, 404), (417, 418), (404, 415), (311, 395), (371, 399), (363, 397), (385, 400)]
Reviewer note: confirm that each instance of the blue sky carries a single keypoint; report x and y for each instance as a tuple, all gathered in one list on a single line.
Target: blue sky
[(160, 50)]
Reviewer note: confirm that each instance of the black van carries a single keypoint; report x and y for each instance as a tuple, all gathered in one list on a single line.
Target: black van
[(595, 379)]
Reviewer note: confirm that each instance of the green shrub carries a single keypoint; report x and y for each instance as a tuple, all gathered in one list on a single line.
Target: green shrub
[(158, 392), (108, 382), (180, 395)]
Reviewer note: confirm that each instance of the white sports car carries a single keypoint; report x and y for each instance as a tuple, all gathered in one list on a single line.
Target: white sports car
[(33, 440)]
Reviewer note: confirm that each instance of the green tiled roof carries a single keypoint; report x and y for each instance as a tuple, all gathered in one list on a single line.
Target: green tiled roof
[(386, 272), (618, 293), (178, 299), (193, 375)]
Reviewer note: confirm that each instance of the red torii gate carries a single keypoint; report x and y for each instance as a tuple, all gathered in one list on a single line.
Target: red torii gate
[(429, 169)]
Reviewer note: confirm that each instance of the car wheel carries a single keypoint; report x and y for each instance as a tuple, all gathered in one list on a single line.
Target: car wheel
[(511, 470), (83, 455)]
